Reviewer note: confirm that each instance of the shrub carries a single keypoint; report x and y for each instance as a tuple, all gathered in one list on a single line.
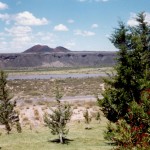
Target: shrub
[(127, 136), (88, 118), (98, 116)]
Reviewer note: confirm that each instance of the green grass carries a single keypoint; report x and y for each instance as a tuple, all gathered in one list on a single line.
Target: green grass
[(38, 139)]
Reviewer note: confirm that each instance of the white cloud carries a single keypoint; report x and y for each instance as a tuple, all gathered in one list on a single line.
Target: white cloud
[(19, 31), (18, 38), (147, 17), (70, 44), (21, 41), (84, 33), (94, 25), (3, 46), (70, 21), (132, 20), (60, 27), (3, 6), (24, 18), (107, 35), (28, 19), (4, 17), (46, 36), (2, 34), (19, 44)]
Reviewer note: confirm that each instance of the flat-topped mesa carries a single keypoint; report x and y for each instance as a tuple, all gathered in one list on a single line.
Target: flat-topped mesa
[(45, 49), (44, 56)]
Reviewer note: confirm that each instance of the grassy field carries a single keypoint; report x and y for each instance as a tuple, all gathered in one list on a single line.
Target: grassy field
[(38, 138)]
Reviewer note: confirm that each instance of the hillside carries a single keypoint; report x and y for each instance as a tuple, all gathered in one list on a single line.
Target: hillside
[(43, 56)]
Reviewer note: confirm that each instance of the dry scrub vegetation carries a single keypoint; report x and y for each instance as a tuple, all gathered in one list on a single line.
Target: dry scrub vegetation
[(30, 90)]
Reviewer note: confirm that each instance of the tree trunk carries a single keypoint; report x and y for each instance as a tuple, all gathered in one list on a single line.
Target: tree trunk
[(61, 138), (8, 128)]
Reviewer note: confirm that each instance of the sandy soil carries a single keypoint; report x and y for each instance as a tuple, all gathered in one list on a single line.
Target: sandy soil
[(33, 115)]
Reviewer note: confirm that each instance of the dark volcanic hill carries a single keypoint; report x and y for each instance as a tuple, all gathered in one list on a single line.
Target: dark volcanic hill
[(45, 48), (38, 49), (60, 49)]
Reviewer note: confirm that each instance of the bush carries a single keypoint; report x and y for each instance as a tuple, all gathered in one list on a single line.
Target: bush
[(127, 136)]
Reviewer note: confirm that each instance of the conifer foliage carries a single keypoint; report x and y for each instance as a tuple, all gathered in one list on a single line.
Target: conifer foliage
[(58, 119), (8, 116), (126, 100)]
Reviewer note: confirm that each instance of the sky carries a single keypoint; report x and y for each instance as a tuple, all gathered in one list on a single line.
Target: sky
[(79, 25)]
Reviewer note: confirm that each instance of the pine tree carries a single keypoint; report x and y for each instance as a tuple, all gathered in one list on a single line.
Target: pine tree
[(132, 63), (59, 118), (8, 116), (126, 100)]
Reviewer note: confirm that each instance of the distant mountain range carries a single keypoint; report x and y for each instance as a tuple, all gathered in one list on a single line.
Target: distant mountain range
[(43, 56), (45, 48)]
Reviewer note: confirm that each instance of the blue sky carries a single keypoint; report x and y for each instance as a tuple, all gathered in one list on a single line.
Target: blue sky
[(74, 24)]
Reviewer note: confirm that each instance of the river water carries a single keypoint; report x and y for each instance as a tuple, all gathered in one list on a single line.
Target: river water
[(54, 76)]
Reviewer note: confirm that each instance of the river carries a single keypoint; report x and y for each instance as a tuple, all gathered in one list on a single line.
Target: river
[(54, 76)]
